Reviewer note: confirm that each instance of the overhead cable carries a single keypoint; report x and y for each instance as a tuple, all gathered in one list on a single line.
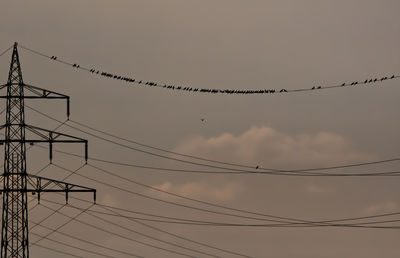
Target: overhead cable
[(135, 81)]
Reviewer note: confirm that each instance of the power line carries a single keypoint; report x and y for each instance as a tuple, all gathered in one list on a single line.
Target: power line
[(179, 236), (203, 90), (161, 200), (221, 206), (299, 172), (282, 224), (88, 242), (122, 236), (153, 238), (281, 219), (62, 225), (5, 51), (73, 246), (228, 163), (59, 251), (47, 217)]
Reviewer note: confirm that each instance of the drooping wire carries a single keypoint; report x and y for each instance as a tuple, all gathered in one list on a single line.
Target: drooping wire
[(203, 90), (216, 205), (58, 251), (5, 51), (62, 225), (47, 217), (151, 237), (278, 219), (73, 246), (161, 200), (122, 236), (282, 224), (228, 163), (179, 236), (299, 172), (87, 241)]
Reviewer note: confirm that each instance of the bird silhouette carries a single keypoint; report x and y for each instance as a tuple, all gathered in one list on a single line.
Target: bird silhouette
[(343, 84), (202, 119), (257, 167)]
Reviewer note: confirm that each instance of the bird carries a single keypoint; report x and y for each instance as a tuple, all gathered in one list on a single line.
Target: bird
[(313, 88), (392, 77), (343, 84), (202, 119), (257, 167), (319, 87)]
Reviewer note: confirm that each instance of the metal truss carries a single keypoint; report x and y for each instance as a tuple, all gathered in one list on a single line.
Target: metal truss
[(17, 183)]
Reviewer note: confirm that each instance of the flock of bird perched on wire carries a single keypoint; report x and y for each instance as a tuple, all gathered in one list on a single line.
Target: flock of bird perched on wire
[(226, 91)]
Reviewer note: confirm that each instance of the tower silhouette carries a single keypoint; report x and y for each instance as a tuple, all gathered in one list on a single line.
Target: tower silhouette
[(17, 183)]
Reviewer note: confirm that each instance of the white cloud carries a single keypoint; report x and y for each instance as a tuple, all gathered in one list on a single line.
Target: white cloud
[(263, 145), (225, 192)]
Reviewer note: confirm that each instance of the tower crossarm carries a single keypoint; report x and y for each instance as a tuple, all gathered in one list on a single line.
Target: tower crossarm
[(38, 185), (38, 93), (48, 136)]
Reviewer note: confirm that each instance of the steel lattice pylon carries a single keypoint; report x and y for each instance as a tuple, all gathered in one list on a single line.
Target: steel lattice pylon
[(16, 181)]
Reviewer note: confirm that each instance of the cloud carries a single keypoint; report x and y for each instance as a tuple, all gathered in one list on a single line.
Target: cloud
[(225, 192), (388, 206), (263, 145)]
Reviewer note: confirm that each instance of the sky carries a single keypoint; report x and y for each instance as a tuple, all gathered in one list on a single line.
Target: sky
[(220, 44)]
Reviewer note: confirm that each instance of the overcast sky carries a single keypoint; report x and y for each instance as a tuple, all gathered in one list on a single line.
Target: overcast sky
[(221, 44)]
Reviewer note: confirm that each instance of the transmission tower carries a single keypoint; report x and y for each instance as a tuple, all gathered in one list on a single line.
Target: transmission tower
[(17, 183)]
